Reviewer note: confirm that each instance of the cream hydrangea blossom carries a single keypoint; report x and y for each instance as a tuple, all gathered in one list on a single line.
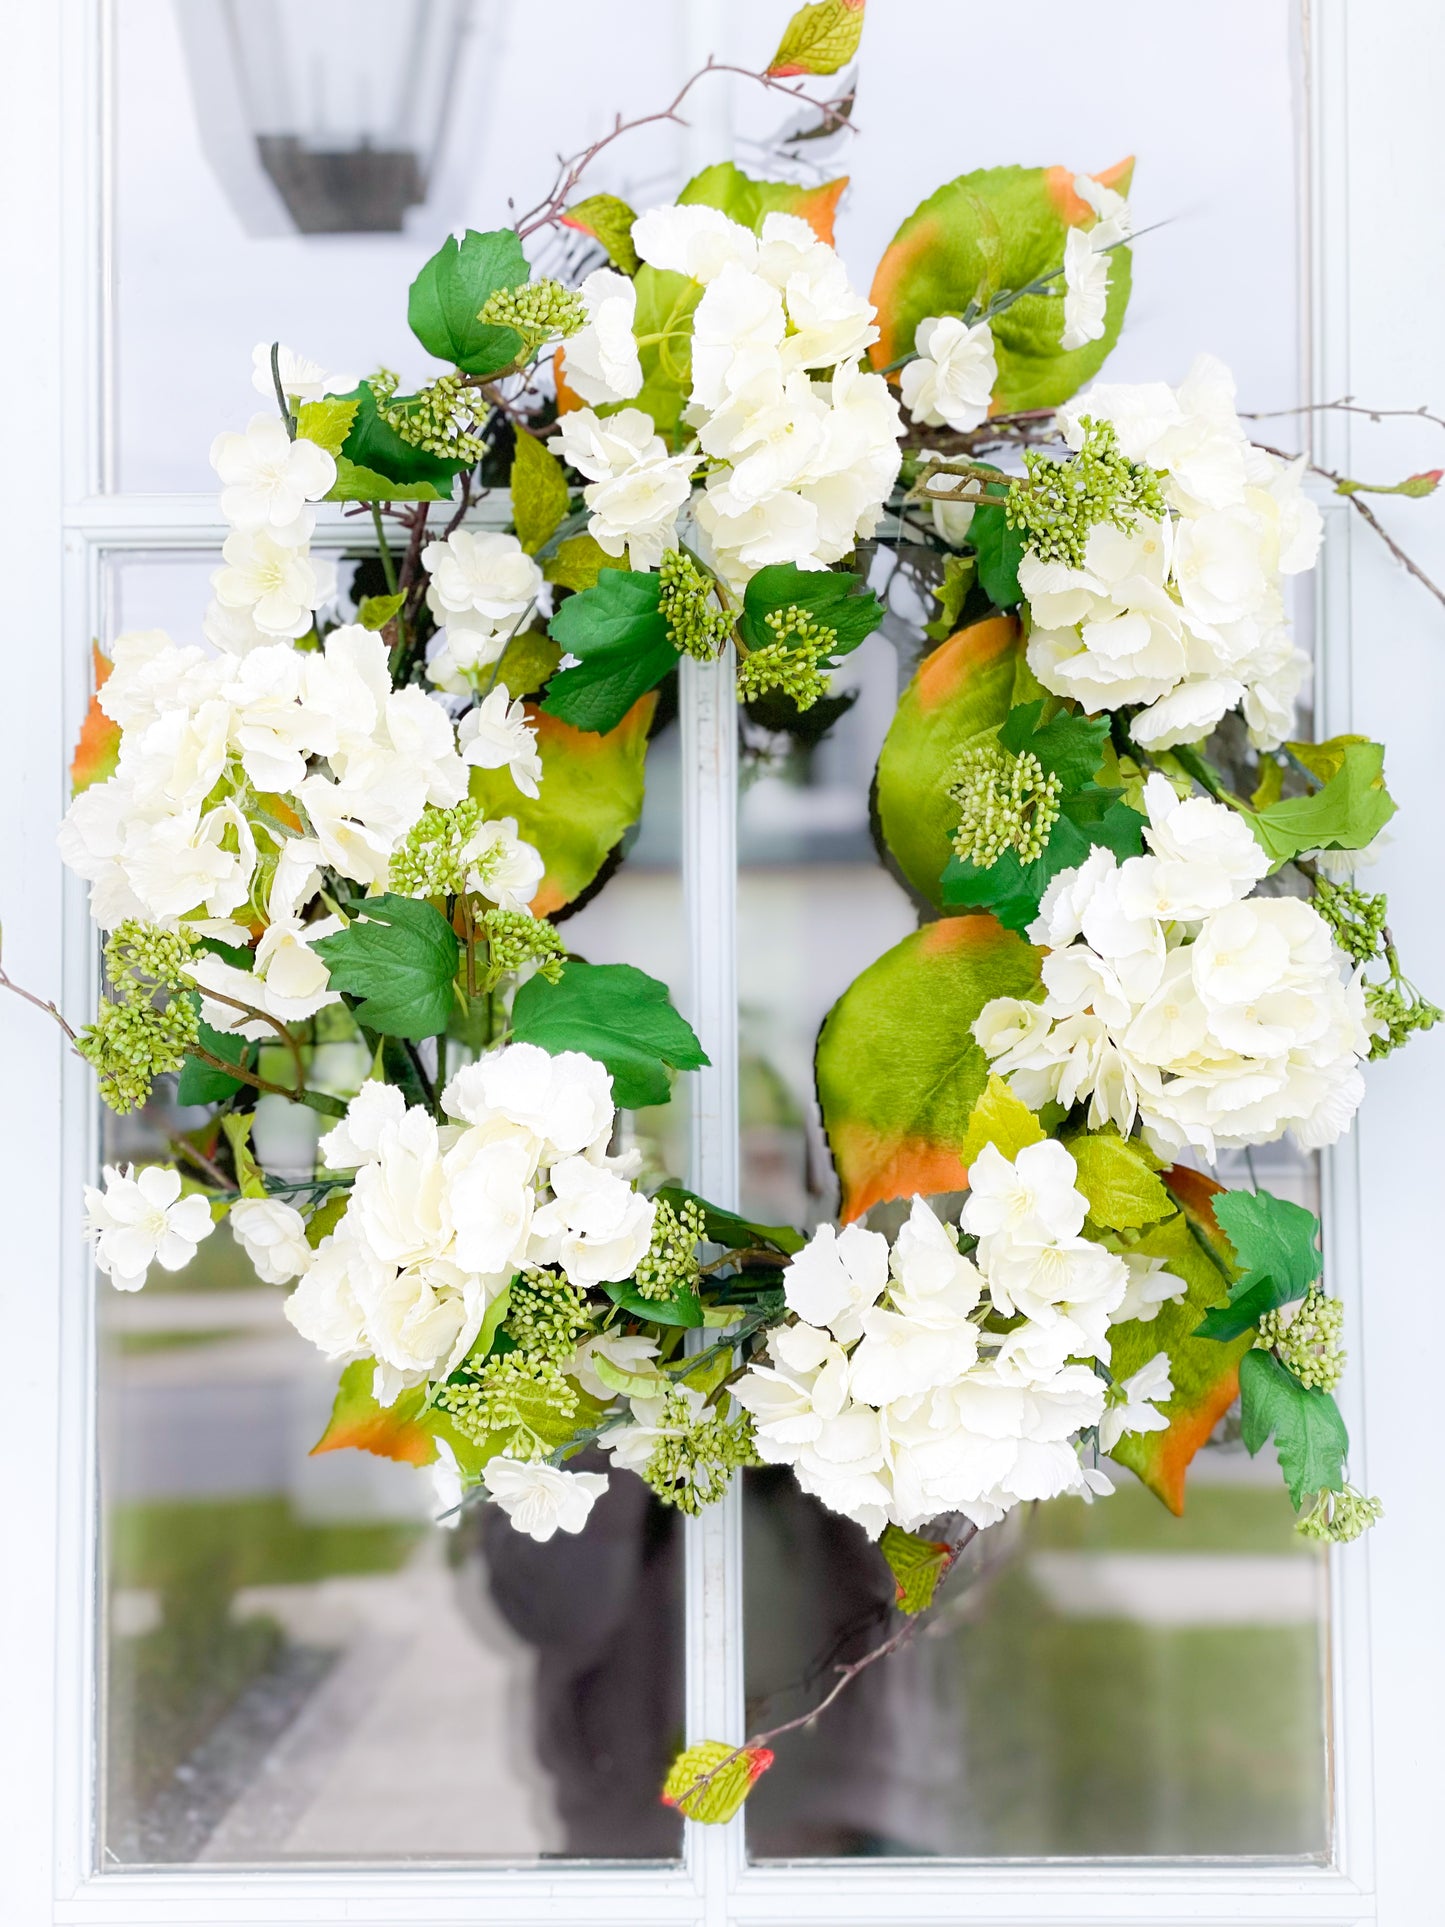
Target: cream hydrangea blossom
[(951, 381), (272, 1234), (1185, 617), (1174, 997), (893, 1400), (602, 363), (140, 1219), (268, 479), (542, 1499), (635, 489)]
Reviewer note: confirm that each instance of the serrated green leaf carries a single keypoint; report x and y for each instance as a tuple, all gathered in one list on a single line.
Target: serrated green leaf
[(577, 563), (399, 956), (1002, 1120), (540, 496), (959, 572), (1271, 1235), (372, 445), (631, 1384), (831, 596), (1070, 745), (1000, 550), (618, 634), (324, 1220), (1346, 814), (709, 1782), (237, 1129), (726, 1228), (1117, 1178), (327, 422), (686, 1309), (617, 1014), (448, 295), (917, 1565), (608, 219), (819, 39), (1309, 1435), (377, 610), (357, 484)]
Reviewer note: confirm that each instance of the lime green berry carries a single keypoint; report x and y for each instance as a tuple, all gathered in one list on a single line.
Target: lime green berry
[(1058, 503), (515, 938), (1307, 1339), (795, 662), (693, 1463), (1339, 1517), (1007, 802), (671, 1262), (694, 626), (441, 418), (430, 862), (538, 311)]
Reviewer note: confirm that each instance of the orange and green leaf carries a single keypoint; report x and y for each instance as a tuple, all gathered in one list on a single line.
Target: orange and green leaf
[(1204, 1372), (709, 1782), (98, 747), (898, 1071), (591, 795), (819, 39), (390, 1431)]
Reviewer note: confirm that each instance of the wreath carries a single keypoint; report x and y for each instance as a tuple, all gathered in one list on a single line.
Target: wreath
[(358, 814)]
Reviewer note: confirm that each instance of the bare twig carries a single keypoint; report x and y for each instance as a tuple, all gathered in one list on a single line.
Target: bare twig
[(8, 983), (1363, 508), (220, 997), (571, 168), (316, 1100), (202, 1163), (1346, 405)]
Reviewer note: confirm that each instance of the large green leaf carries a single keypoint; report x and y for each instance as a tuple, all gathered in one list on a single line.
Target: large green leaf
[(449, 293), (1309, 1434), (399, 956), (357, 484), (999, 550), (1117, 1177), (590, 795), (619, 635), (1000, 227), (372, 446), (832, 597), (966, 685), (1275, 1243), (617, 1014), (1205, 1376), (1346, 814), (898, 1071), (540, 496)]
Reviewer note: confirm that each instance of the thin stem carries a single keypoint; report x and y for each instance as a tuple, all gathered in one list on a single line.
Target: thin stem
[(317, 1100), (388, 567), (745, 1254), (220, 997), (202, 1163), (1346, 405), (8, 983), (281, 402), (1363, 508)]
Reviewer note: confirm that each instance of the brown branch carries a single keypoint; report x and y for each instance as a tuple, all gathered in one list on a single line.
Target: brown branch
[(8, 983), (202, 1163), (744, 1254), (1346, 405), (317, 1100), (571, 168), (219, 997), (1363, 508)]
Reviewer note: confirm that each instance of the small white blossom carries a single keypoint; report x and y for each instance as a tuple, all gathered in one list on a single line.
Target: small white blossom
[(951, 383), (140, 1219), (278, 583), (1132, 1404), (601, 358), (542, 1499), (301, 378), (266, 478), (273, 1236), (497, 735)]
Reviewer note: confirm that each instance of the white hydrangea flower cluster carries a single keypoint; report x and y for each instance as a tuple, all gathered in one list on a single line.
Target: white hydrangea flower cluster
[(442, 1216), (1215, 1018), (891, 1398), (1186, 615), (483, 587), (1086, 261), (800, 444), (188, 828)]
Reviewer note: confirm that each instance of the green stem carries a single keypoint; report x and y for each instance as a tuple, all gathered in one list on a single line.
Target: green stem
[(388, 567)]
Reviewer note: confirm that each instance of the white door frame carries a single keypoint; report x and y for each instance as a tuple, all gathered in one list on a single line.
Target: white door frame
[(1372, 265)]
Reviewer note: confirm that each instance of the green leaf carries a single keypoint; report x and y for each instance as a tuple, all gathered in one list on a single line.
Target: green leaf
[(357, 484), (1346, 814), (830, 596), (709, 1782), (377, 610), (727, 1229), (685, 1310), (407, 1430), (589, 796), (1117, 1178), (527, 661), (917, 1565), (324, 1220), (1309, 1434), (819, 39), (617, 1014), (399, 956), (199, 1083), (1000, 550), (327, 422), (540, 496), (951, 594), (631, 1384), (898, 1071), (1275, 1243), (577, 563), (1070, 746), (608, 219), (1002, 1120), (617, 632), (373, 446), (962, 688), (1000, 226), (452, 288), (237, 1129), (748, 200)]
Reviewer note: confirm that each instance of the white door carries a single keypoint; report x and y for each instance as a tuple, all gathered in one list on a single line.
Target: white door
[(240, 1685)]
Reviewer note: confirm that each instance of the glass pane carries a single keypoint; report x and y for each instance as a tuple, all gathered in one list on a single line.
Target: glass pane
[(299, 1665), (1101, 1680)]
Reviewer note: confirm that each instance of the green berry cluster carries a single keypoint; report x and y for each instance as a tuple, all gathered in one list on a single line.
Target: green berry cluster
[(694, 627), (152, 1023), (1309, 1341), (440, 418), (796, 662), (539, 311), (518, 1401), (547, 1315), (1356, 918), (515, 937), (1401, 1010), (1338, 1517), (1008, 803), (693, 1463), (432, 861), (1058, 503), (671, 1262)]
